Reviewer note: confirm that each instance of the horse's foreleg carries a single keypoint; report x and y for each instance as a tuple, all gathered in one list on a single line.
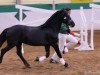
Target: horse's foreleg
[(47, 50), (19, 53), (3, 51), (55, 46)]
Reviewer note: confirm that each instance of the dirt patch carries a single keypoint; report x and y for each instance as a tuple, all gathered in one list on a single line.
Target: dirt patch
[(81, 63)]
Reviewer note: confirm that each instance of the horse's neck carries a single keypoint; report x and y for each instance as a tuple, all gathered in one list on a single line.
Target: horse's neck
[(53, 24), (56, 26)]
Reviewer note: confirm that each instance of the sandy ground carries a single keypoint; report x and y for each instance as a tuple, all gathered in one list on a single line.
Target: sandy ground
[(81, 63)]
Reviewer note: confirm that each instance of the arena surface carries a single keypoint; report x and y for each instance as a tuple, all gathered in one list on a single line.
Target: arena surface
[(81, 63)]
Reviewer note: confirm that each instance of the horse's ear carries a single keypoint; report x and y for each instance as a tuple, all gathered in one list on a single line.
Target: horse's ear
[(64, 13), (64, 10)]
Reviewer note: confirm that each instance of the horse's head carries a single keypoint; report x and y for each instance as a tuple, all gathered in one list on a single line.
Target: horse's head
[(67, 19), (57, 19)]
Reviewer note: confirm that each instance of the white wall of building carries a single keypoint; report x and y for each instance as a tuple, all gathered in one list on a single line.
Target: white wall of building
[(96, 0), (8, 19), (2, 2), (33, 1), (37, 1)]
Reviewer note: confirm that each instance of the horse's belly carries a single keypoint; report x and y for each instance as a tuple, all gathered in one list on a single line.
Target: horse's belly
[(35, 42)]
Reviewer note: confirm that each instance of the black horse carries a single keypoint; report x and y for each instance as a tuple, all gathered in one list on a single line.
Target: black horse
[(45, 35)]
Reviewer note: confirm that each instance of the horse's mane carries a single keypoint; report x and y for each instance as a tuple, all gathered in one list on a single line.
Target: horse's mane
[(50, 21)]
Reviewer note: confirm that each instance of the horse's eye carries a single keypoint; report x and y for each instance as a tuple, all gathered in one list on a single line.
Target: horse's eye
[(64, 17)]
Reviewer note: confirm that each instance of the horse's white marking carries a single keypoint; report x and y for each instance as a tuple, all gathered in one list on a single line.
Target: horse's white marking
[(22, 49), (42, 58), (62, 61)]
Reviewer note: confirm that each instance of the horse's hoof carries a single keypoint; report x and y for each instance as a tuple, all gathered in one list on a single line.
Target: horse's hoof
[(0, 61), (53, 61), (28, 66), (37, 59), (66, 65)]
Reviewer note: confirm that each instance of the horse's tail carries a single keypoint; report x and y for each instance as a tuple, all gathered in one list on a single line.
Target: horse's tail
[(3, 37)]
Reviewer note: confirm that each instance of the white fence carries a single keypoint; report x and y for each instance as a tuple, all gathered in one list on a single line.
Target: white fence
[(85, 45), (8, 19), (34, 10), (84, 34)]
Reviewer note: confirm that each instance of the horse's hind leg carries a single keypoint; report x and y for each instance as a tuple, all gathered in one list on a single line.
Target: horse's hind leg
[(55, 46), (47, 50), (19, 53), (3, 51)]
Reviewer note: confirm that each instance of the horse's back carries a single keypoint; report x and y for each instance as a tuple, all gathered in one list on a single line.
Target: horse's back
[(30, 35), (14, 30), (18, 32), (26, 34)]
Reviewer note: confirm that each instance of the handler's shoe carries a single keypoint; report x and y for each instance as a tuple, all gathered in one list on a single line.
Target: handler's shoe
[(65, 50), (53, 61)]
